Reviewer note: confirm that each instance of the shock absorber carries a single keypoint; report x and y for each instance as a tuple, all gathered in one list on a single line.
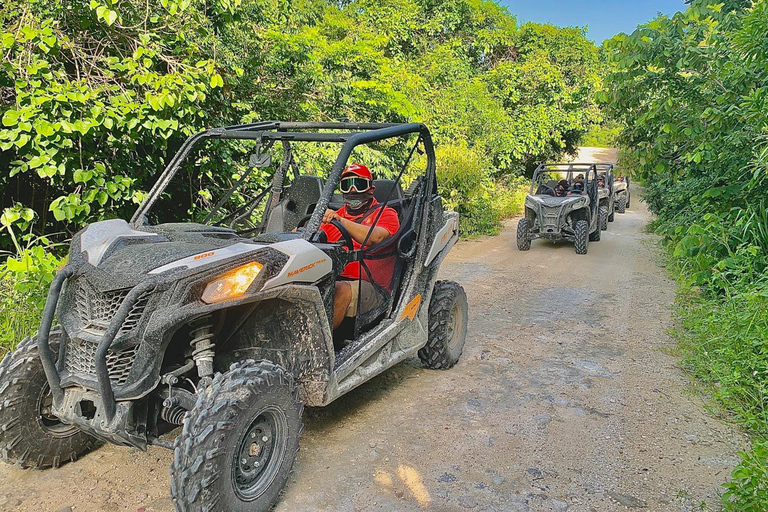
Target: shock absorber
[(202, 354)]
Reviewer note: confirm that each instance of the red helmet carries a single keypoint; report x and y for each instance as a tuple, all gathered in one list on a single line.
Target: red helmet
[(358, 170)]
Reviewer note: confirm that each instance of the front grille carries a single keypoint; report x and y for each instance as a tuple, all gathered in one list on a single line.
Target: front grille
[(96, 309), (81, 355), (551, 220)]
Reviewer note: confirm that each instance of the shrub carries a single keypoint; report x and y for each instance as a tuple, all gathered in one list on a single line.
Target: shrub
[(465, 183), (748, 489), (24, 281)]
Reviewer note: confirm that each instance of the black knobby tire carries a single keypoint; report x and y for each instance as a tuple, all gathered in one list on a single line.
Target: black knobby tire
[(239, 443), (602, 217), (628, 198), (581, 242), (523, 235), (448, 315), (30, 435), (612, 215), (621, 204)]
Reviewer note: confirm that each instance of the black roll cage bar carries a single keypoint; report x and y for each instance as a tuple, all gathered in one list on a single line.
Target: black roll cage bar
[(266, 133)]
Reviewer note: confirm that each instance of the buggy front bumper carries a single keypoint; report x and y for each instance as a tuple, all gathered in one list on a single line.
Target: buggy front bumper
[(105, 391), (85, 409), (553, 235)]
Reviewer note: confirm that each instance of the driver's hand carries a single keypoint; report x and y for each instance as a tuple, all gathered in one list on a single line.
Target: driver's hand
[(329, 216)]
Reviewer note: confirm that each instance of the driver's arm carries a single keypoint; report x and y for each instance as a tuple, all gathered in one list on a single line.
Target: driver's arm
[(358, 231)]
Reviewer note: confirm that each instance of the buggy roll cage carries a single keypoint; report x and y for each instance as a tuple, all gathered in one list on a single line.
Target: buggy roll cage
[(590, 176), (266, 133), (590, 170)]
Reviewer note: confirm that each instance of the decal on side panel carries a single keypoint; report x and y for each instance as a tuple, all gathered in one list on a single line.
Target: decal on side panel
[(411, 309), (306, 263)]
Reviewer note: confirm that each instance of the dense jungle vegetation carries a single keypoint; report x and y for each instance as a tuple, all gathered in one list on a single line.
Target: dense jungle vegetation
[(95, 95), (691, 94)]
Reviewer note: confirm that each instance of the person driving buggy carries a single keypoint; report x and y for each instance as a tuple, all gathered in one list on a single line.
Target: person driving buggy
[(359, 212), (562, 188)]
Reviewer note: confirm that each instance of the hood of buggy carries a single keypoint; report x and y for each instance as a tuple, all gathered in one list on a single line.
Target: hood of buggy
[(120, 257)]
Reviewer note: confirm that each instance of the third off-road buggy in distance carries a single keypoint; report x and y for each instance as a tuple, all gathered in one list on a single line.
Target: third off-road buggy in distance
[(223, 325), (575, 217), (621, 193)]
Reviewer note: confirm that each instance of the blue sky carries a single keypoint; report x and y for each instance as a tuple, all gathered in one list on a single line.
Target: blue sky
[(604, 18)]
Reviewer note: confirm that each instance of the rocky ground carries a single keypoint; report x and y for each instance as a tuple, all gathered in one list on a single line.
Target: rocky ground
[(566, 398)]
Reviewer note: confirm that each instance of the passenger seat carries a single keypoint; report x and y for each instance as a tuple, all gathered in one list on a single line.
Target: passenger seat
[(299, 200)]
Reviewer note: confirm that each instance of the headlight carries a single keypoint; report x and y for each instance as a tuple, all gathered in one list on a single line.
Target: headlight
[(232, 284)]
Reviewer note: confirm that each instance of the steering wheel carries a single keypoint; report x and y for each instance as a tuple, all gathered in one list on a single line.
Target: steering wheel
[(344, 234)]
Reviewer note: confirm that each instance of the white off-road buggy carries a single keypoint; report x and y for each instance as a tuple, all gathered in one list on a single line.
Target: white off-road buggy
[(574, 213), (211, 309)]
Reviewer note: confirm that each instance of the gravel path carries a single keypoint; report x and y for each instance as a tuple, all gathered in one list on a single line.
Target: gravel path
[(566, 398)]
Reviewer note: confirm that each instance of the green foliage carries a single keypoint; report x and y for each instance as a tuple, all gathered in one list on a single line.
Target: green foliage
[(466, 186), (24, 281), (690, 92), (95, 95), (602, 136), (749, 488)]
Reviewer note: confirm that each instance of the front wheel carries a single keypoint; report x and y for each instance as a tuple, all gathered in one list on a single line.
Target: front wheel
[(30, 435), (523, 235), (621, 204), (602, 218), (448, 312), (239, 443), (581, 232)]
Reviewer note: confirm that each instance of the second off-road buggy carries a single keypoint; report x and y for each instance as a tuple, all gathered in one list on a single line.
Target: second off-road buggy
[(621, 193), (223, 325), (606, 192), (573, 214)]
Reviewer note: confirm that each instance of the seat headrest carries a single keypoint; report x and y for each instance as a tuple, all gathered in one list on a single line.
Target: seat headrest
[(306, 186), (383, 187)]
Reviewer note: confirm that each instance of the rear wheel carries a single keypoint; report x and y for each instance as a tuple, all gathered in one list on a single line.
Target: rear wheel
[(30, 435), (612, 214), (523, 235), (581, 230), (602, 218), (621, 204), (448, 311), (239, 443)]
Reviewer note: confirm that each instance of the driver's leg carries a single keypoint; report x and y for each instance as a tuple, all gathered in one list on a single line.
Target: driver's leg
[(341, 301)]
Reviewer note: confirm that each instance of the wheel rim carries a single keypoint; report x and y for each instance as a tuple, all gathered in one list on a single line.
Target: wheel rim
[(259, 454), (47, 420), (456, 326)]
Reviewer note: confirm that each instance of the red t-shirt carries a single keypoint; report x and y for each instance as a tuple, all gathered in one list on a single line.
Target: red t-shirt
[(381, 269)]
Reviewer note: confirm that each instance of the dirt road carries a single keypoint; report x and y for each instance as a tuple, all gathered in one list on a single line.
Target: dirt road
[(565, 399)]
